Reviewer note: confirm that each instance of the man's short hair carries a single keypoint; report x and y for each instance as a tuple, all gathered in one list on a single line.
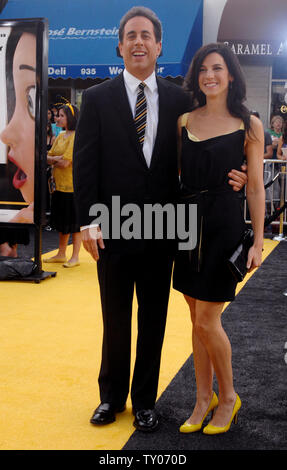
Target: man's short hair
[(147, 13)]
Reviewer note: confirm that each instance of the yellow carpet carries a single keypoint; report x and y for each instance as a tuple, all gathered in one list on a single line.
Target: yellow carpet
[(50, 351)]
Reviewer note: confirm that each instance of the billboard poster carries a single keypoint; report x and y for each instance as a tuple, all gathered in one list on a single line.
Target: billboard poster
[(22, 119)]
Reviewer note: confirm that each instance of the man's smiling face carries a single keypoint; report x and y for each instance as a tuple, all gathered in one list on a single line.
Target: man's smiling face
[(139, 48)]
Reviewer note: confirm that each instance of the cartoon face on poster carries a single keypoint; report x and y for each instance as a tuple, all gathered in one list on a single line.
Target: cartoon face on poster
[(17, 122)]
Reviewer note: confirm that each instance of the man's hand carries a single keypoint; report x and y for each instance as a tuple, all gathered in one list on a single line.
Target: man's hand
[(92, 239), (238, 179)]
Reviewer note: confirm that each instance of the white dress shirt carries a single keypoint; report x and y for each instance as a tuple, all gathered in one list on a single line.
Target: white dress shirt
[(151, 94)]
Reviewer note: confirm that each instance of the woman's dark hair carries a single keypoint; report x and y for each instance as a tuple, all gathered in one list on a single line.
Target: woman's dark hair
[(13, 39), (72, 116), (49, 129), (237, 90), (147, 13), (255, 113), (52, 114)]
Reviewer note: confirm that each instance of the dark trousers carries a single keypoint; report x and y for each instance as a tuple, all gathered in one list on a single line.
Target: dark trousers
[(150, 274)]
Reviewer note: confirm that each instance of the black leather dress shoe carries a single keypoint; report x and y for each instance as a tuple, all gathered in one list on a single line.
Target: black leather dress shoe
[(105, 413), (146, 420)]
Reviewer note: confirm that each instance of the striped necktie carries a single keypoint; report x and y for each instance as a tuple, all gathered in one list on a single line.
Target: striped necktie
[(140, 116)]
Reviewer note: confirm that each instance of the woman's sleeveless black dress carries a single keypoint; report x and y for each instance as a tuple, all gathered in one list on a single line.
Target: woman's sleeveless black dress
[(202, 273)]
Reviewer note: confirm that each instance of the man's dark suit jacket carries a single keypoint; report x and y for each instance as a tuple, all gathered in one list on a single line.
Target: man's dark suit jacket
[(108, 159)]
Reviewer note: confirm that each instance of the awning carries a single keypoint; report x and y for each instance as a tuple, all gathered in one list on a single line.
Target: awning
[(83, 35), (249, 37)]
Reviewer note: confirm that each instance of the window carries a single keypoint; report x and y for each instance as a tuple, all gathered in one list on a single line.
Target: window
[(279, 98)]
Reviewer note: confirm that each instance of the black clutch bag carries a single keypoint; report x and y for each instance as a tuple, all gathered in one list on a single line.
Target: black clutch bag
[(238, 260)]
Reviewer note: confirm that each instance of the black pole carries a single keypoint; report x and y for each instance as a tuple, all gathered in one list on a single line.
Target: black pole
[(38, 249), (41, 145)]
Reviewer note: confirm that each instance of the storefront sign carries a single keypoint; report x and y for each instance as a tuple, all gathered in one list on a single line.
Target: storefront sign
[(248, 48), (71, 32), (102, 71)]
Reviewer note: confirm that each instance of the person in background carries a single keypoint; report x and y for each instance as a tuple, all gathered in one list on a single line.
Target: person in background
[(50, 136), (282, 144), (52, 118), (63, 216), (50, 140), (276, 125), (268, 150), (275, 130), (282, 155)]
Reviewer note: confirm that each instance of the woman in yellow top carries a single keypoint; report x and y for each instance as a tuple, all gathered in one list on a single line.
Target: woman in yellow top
[(63, 215)]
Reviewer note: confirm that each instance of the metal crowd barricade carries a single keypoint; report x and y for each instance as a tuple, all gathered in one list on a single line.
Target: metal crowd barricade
[(275, 183)]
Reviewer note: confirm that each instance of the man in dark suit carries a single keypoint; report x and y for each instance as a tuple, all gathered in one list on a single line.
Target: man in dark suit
[(109, 161)]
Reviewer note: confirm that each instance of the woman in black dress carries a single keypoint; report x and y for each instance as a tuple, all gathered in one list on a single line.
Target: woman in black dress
[(216, 136)]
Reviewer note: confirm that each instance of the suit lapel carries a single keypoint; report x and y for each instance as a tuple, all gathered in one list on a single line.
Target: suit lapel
[(162, 110), (122, 107)]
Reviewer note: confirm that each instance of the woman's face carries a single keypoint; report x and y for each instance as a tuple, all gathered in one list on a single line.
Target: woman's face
[(62, 119), (277, 125), (214, 77), (19, 134)]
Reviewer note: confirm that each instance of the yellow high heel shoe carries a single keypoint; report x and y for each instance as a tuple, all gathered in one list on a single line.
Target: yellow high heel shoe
[(210, 429), (187, 427)]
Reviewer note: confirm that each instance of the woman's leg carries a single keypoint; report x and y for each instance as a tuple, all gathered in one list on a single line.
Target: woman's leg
[(60, 257), (7, 250), (77, 239), (63, 242), (209, 330), (203, 370)]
